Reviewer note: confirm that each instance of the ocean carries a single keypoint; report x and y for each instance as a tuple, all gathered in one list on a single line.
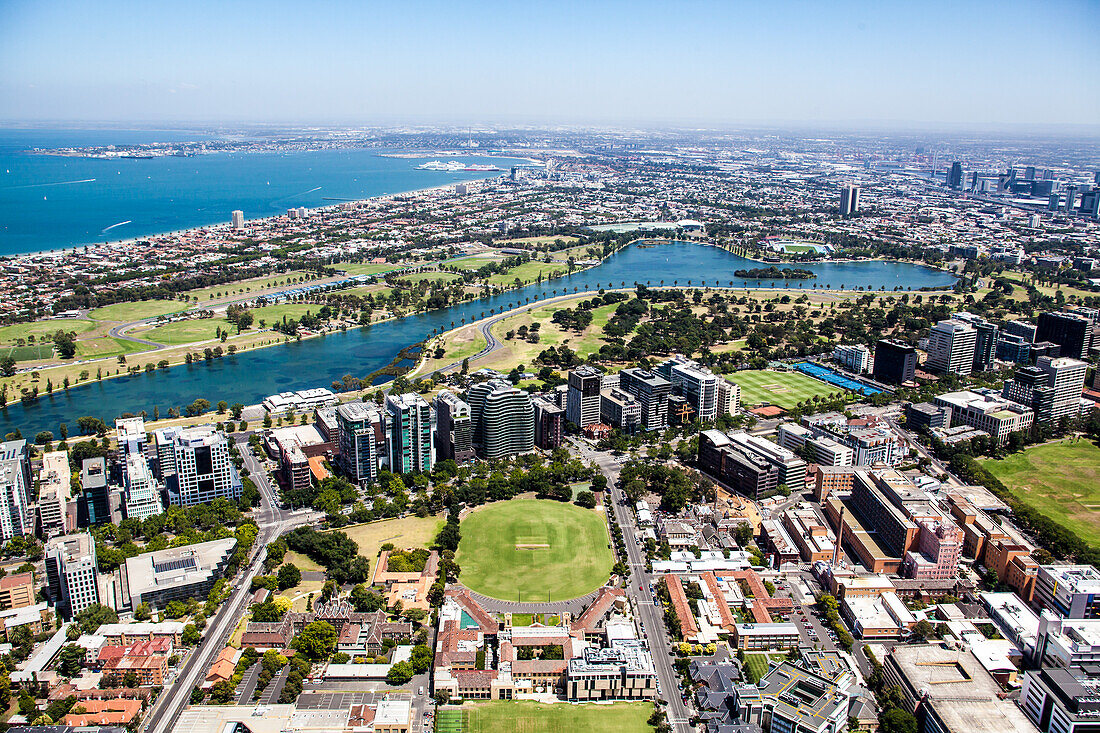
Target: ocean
[(52, 202)]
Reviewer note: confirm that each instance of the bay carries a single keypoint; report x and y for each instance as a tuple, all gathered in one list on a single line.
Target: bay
[(250, 376)]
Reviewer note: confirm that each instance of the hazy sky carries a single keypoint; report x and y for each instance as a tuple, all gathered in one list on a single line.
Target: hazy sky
[(970, 63)]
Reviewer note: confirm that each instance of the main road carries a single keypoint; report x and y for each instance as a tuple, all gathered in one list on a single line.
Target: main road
[(637, 589), (273, 521)]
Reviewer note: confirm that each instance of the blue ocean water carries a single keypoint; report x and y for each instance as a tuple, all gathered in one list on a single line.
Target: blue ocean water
[(51, 202)]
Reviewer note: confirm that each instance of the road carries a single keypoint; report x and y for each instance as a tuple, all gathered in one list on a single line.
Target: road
[(650, 615), (273, 521)]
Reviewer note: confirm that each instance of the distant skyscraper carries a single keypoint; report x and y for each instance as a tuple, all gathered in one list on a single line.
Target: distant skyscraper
[(955, 176), (951, 347), (849, 200), (895, 362), (1053, 201), (1029, 173), (15, 484), (453, 428), (503, 417), (582, 401), (410, 433), (1071, 198), (361, 436), (238, 219), (1090, 203)]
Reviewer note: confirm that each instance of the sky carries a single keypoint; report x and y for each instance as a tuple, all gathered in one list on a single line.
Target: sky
[(639, 63)]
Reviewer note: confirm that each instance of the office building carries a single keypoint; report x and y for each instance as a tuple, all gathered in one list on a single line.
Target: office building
[(410, 433), (937, 551), (1014, 349), (985, 410), (849, 200), (203, 468), (582, 400), (142, 489), (742, 470), (792, 698), (951, 346), (1023, 329), (454, 431), (16, 518), (824, 450), (361, 436), (176, 573), (96, 493), (853, 357), (697, 385), (131, 435), (729, 397), (238, 219), (895, 362), (620, 410), (71, 573), (1090, 203), (1071, 198), (1070, 591), (955, 176), (1071, 331), (1052, 388), (549, 423), (985, 343), (951, 691), (16, 591), (503, 418), (924, 416), (53, 494), (1062, 699), (652, 392)]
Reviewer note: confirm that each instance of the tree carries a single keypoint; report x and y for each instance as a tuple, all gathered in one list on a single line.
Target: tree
[(289, 576), (924, 630), (7, 366), (316, 642), (94, 616), (191, 635), (399, 674), (70, 660), (896, 720), (586, 499), (65, 343), (143, 612)]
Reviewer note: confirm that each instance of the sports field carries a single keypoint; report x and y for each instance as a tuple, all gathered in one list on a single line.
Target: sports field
[(1061, 480), (135, 311), (534, 550), (785, 389), (534, 717)]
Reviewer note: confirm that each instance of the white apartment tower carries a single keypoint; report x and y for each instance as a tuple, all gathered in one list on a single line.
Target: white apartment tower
[(582, 399), (1067, 377), (203, 469), (15, 481), (142, 490), (951, 345), (238, 219), (71, 573)]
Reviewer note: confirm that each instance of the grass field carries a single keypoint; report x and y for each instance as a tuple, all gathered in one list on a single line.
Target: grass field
[(245, 287), (1061, 480), (785, 389), (474, 262), (534, 717), (27, 353), (10, 334), (533, 550), (756, 666), (202, 329), (367, 268), (126, 312), (537, 241), (104, 347), (406, 532), (528, 272)]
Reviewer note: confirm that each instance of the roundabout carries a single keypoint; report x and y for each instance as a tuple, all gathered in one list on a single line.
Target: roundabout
[(534, 551)]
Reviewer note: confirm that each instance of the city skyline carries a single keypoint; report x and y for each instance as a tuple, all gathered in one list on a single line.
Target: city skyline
[(847, 64)]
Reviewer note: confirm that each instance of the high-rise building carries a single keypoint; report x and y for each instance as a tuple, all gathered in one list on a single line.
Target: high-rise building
[(238, 219), (582, 401), (1071, 331), (1071, 198), (549, 427), (729, 397), (955, 176), (1070, 591), (696, 384), (651, 391), (203, 468), (985, 343), (361, 436), (620, 410), (1066, 377), (849, 200), (1029, 173), (1090, 203), (410, 433), (1023, 329), (454, 431), (853, 357), (1030, 386), (53, 493), (1053, 201), (142, 489), (96, 492), (71, 573), (503, 418), (951, 347), (15, 483), (895, 362), (131, 434)]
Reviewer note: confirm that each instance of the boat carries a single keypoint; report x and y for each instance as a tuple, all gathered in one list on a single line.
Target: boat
[(481, 168)]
